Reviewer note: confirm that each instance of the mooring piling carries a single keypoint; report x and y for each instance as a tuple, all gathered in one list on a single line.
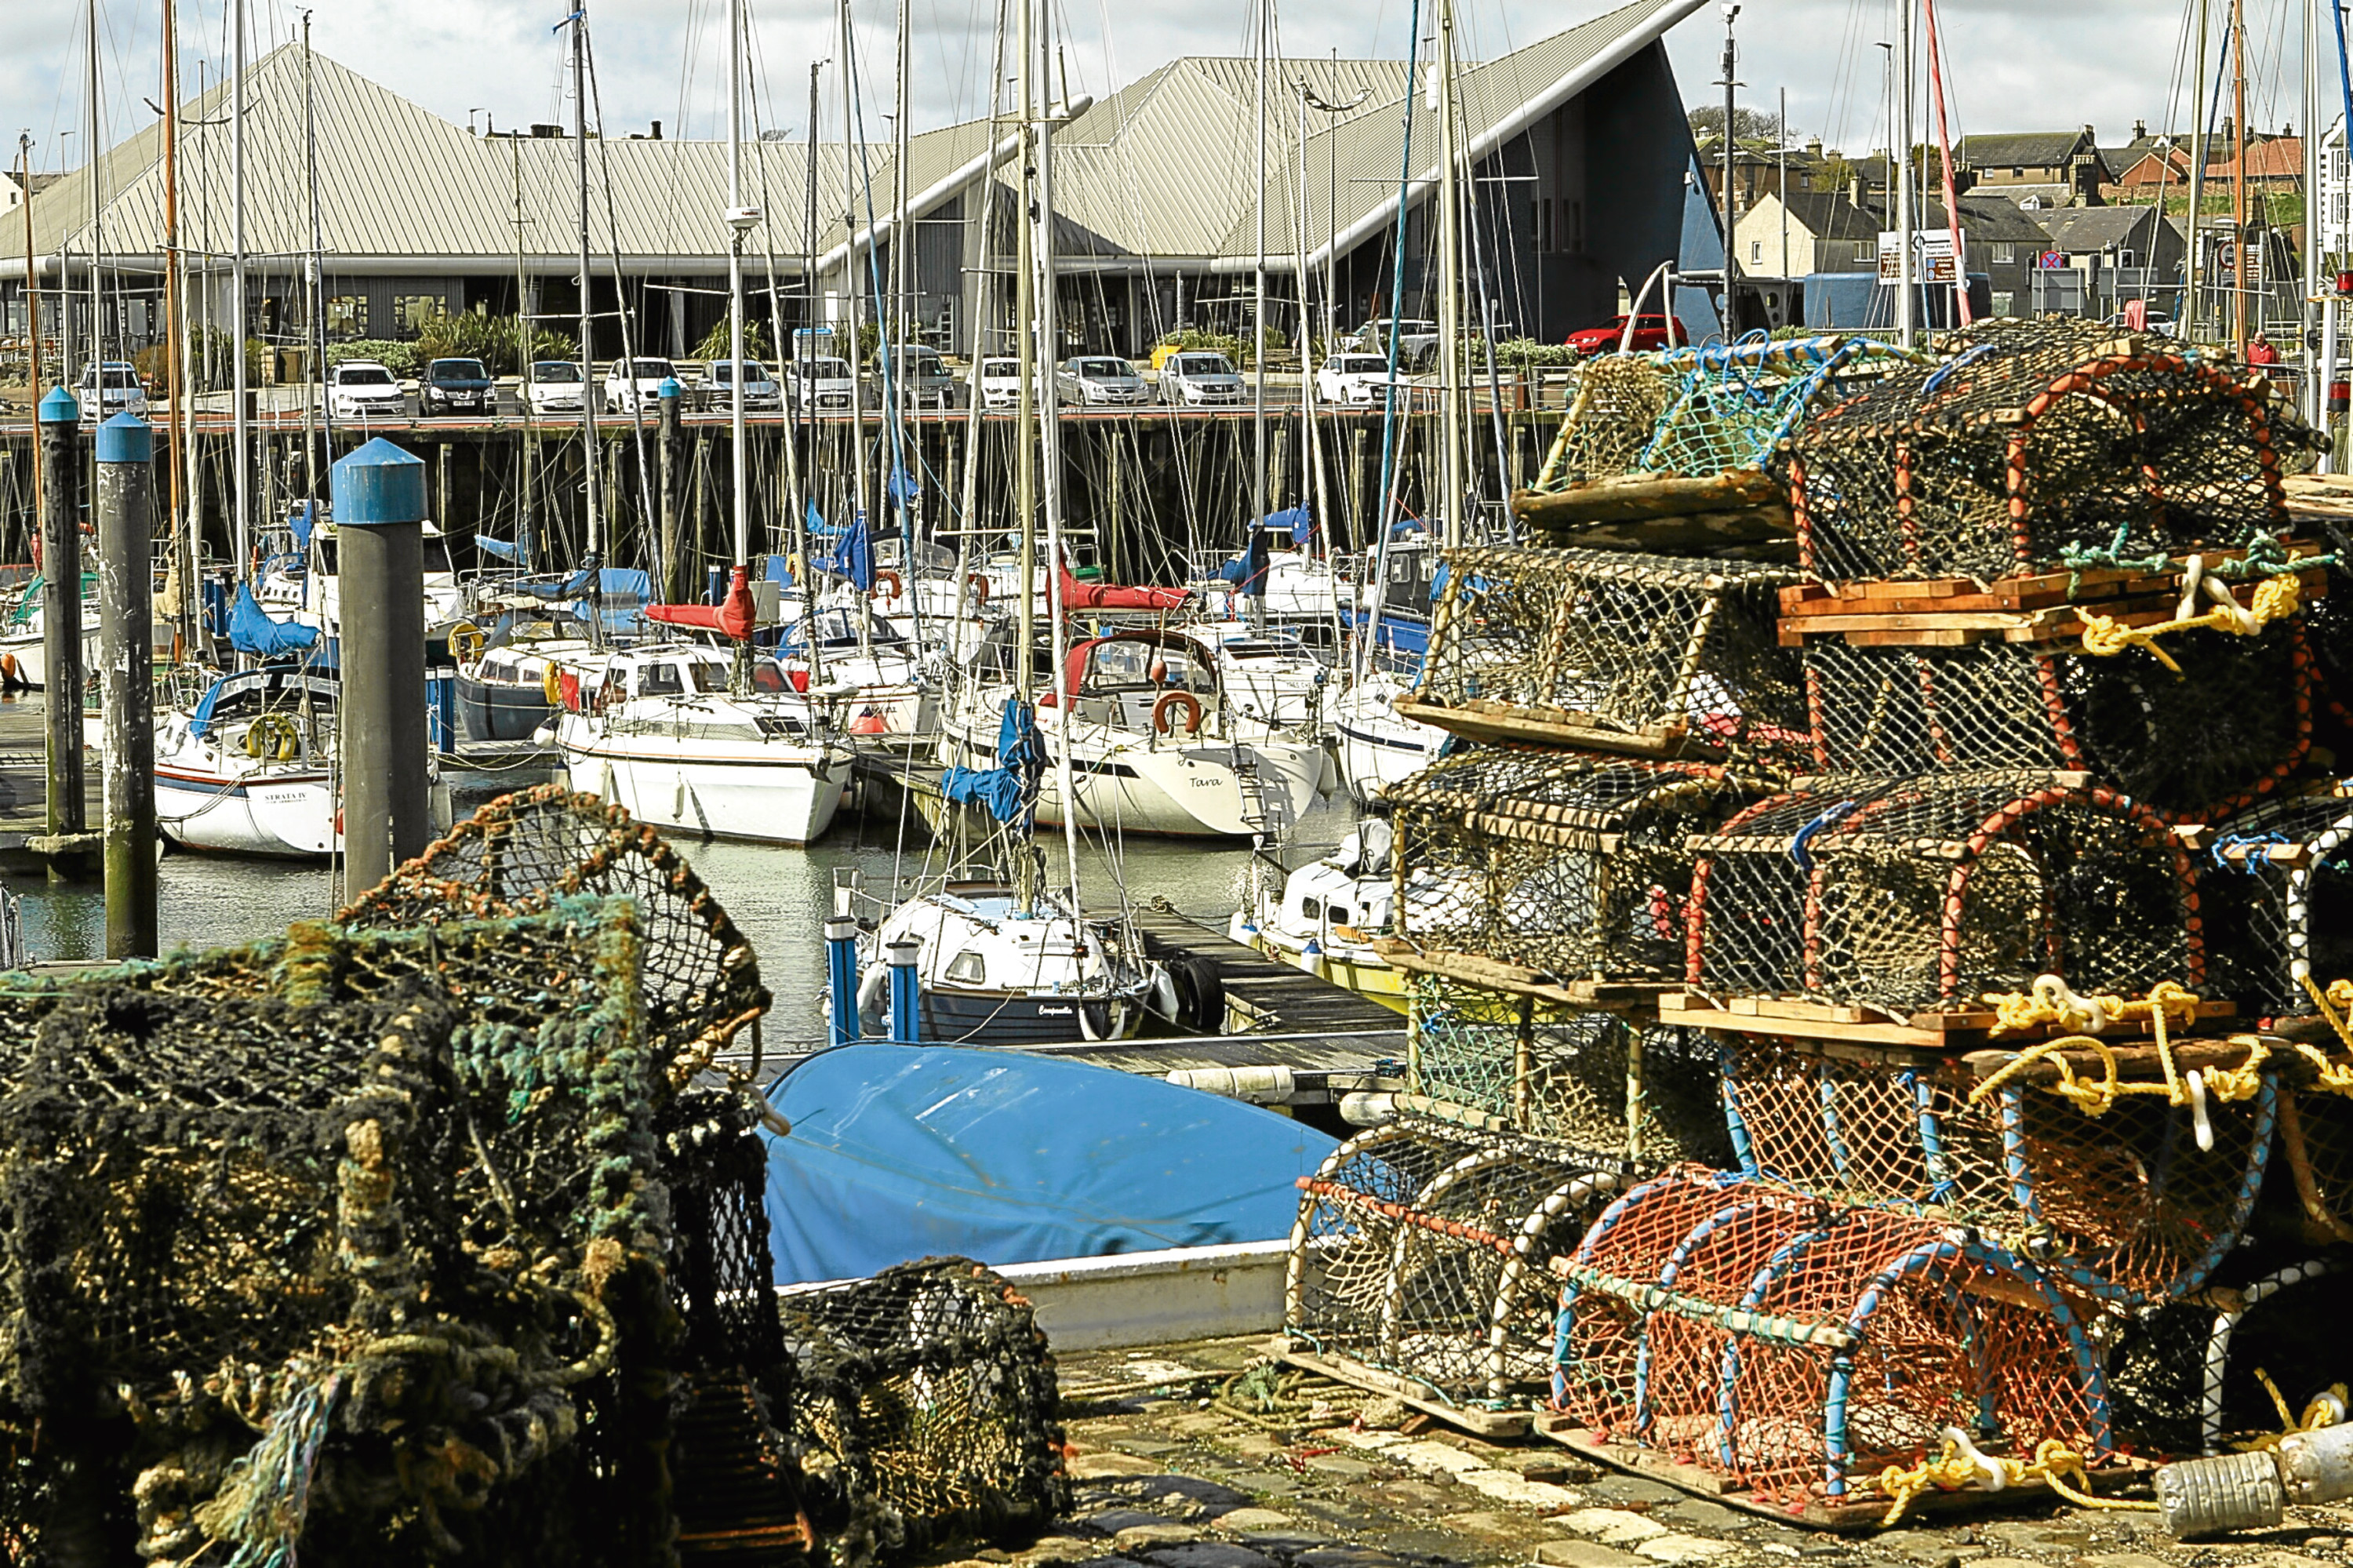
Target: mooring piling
[(379, 508), (61, 674), (906, 1005), (126, 656)]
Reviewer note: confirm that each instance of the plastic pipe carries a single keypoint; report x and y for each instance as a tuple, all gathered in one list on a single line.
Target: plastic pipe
[(906, 1003), (841, 980)]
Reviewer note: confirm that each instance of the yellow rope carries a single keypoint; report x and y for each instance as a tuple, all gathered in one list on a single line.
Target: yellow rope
[(2334, 1078), (2056, 1465), (2168, 1003), (2323, 1410), (2276, 598)]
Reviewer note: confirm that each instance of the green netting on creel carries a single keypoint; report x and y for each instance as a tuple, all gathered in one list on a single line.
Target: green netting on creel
[(348, 1240), (1734, 405)]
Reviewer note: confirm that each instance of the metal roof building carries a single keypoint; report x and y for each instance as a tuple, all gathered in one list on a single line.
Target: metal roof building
[(1579, 145)]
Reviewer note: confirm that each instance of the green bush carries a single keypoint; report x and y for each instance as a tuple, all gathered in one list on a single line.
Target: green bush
[(494, 340), (1526, 352), (1226, 344), (716, 344), (400, 359)]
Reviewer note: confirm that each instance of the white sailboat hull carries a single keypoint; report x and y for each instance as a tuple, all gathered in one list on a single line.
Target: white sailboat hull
[(1178, 789), (787, 796), (287, 814), (1376, 747), (25, 659)]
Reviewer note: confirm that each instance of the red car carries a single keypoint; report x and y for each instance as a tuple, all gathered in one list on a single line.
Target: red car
[(1650, 333)]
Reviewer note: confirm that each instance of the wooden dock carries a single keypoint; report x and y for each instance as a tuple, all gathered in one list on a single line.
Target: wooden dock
[(24, 790), (1263, 997)]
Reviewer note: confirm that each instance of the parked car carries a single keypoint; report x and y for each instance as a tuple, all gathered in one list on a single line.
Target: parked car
[(1358, 379), (634, 384), (1650, 333), (361, 389), (999, 381), (760, 389), (1196, 377), (920, 377), (555, 386), (1416, 341), (110, 388), (818, 383), (1099, 378), (455, 386)]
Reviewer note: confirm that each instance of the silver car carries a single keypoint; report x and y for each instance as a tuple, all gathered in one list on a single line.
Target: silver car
[(760, 389), (819, 383), (920, 377), (1196, 377), (1099, 378)]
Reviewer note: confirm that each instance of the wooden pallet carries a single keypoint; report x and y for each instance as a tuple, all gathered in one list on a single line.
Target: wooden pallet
[(1581, 994), (2113, 1474), (1491, 1424), (1959, 1031)]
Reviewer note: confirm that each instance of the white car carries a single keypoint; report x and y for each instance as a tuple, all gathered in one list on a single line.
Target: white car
[(1195, 378), (361, 389), (555, 386), (818, 383), (1358, 378), (122, 392), (1100, 378), (760, 389), (634, 384), (999, 381)]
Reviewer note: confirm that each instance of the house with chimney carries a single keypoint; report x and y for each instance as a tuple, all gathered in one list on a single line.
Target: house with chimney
[(2036, 168)]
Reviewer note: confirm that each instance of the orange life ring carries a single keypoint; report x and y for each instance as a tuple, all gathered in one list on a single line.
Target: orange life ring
[(1168, 700), (886, 575), (980, 586)]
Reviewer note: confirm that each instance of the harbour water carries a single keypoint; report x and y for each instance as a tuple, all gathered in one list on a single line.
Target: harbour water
[(779, 897)]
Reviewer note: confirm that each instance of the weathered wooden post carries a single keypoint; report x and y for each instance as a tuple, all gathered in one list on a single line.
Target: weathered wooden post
[(61, 671), (379, 500), (126, 654)]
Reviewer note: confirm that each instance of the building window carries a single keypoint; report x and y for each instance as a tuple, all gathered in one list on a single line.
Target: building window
[(2003, 255), (2017, 174), (347, 316), (1867, 253), (411, 311), (1755, 251), (2127, 259)]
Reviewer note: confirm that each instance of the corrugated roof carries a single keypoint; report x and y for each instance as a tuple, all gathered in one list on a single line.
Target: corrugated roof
[(1167, 166)]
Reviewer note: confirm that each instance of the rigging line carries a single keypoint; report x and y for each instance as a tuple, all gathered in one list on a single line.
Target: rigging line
[(1396, 286), (620, 291)]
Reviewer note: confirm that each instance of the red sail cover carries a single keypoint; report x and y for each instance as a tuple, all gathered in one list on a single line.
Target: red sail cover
[(1077, 595), (731, 617)]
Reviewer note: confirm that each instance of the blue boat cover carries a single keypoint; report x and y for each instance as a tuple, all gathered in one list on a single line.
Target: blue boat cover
[(304, 518), (850, 555), (504, 549), (251, 631), (900, 1151)]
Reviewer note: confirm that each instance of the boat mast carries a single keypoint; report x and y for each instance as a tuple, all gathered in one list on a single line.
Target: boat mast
[(588, 452), (1025, 446), (526, 332), (740, 220), (902, 301), (1450, 289), (804, 413), (2198, 173), (2239, 175), (317, 329), (97, 230), (1306, 338), (1050, 450), (184, 557), (32, 308), (1257, 601), (240, 417), (852, 348), (1907, 296)]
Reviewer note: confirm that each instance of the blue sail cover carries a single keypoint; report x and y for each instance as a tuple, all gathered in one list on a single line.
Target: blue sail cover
[(848, 554), (900, 1151), (1008, 790), (251, 631), (1298, 522)]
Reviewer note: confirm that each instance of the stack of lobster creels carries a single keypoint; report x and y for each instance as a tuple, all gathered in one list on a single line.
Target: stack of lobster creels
[(1974, 842)]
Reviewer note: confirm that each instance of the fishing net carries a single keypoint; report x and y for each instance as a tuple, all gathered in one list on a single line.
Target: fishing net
[(346, 1237), (2124, 1204), (2187, 1377), (1735, 405), (1798, 1347), (2233, 723), (1652, 655), (926, 1408), (524, 850), (2316, 1140), (1419, 1254), (1569, 864), (1614, 406), (2276, 894), (1925, 894), (2038, 444), (1597, 1082)]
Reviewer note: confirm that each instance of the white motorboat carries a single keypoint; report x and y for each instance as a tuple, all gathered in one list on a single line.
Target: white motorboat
[(1154, 746), (662, 735), (250, 769), (1327, 917)]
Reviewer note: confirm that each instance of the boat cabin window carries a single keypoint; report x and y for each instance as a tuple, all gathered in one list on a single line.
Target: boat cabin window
[(1311, 909), (322, 550), (967, 967), (1142, 666), (767, 677), (659, 680)]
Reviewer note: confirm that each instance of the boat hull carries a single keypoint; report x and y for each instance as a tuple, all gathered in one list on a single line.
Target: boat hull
[(25, 660), (281, 816), (1368, 975), (1380, 752), (1001, 1019), (500, 711), (1172, 790), (788, 800)]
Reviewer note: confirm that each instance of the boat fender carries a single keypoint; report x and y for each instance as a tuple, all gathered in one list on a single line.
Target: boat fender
[(551, 686), (8, 674), (980, 586), (1367, 1108), (466, 642), (1260, 1085), (1164, 1002), (1200, 991), (872, 988), (1170, 701), (1238, 928), (1311, 958), (886, 575)]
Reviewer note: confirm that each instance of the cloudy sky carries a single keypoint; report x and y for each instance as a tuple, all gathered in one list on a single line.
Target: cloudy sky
[(2013, 64)]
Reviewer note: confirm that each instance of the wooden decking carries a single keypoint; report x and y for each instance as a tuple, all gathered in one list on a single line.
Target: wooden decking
[(1262, 996)]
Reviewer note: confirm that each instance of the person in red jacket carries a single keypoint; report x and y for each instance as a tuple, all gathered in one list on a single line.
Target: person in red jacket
[(2261, 352)]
